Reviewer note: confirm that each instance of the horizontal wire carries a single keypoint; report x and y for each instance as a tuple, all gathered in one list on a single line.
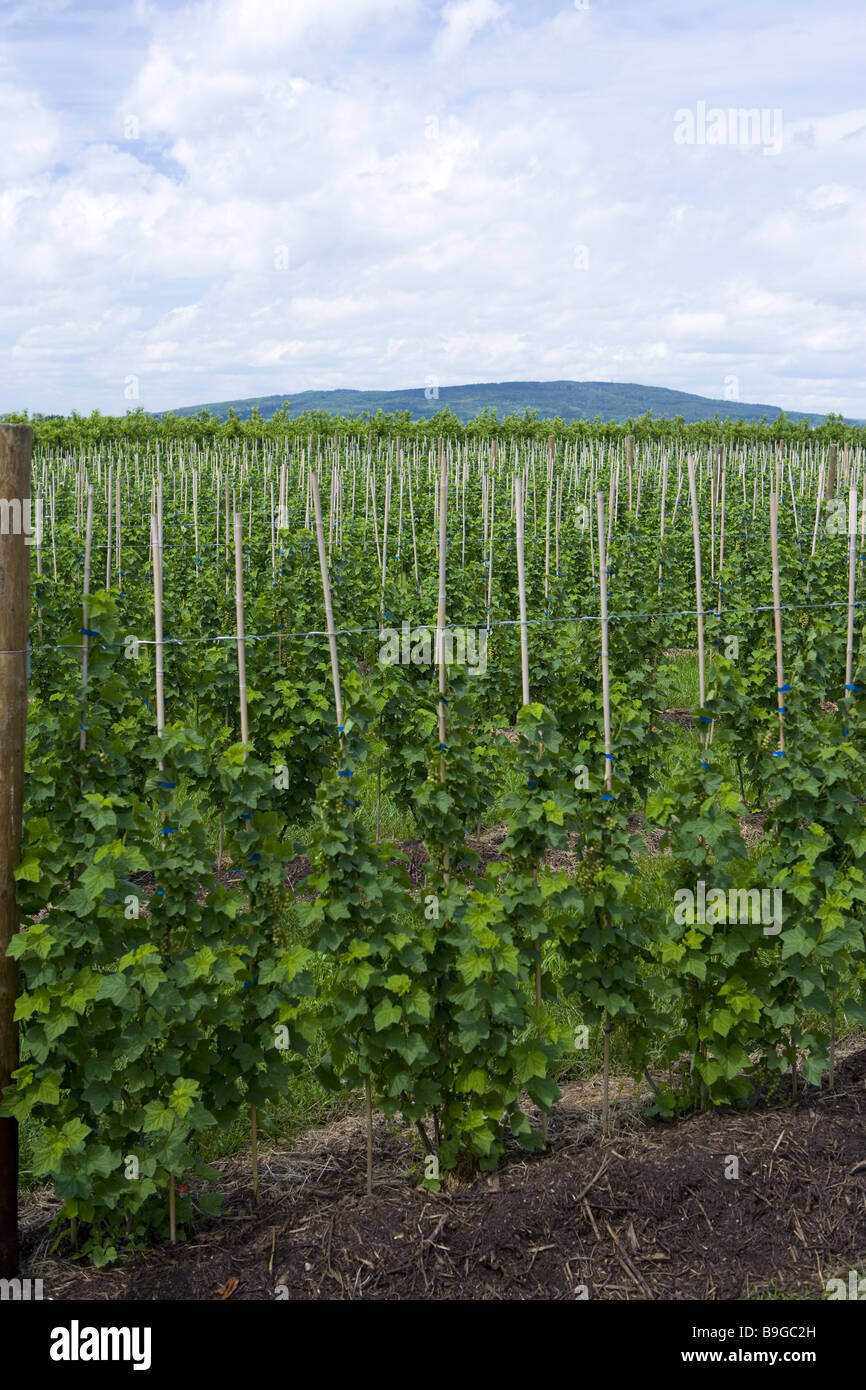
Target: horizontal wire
[(450, 627)]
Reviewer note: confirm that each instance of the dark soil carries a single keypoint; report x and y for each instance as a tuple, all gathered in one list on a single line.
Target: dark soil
[(649, 1214)]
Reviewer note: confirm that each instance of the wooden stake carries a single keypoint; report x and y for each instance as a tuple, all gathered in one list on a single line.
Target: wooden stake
[(608, 766), (699, 586), (521, 590), (158, 647), (368, 1105), (82, 737), (239, 624), (326, 594), (777, 615), (441, 616)]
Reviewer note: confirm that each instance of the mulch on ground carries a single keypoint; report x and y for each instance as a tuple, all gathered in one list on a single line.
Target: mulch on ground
[(647, 1214)]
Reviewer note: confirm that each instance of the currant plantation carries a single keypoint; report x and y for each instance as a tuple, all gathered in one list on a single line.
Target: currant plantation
[(426, 768)]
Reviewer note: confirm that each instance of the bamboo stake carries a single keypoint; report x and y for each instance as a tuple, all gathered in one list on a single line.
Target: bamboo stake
[(239, 621), (662, 519), (414, 542), (158, 649), (699, 590), (338, 706), (108, 478), (368, 1105), (723, 486), (777, 615), (118, 555), (326, 594), (490, 547), (780, 684), (608, 766), (524, 678), (629, 462), (88, 542), (818, 502), (156, 562), (195, 523), (441, 616), (521, 590), (852, 584), (53, 534)]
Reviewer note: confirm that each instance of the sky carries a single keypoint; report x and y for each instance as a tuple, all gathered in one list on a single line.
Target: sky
[(235, 198)]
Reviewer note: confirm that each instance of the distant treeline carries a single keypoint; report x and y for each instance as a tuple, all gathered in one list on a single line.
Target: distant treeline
[(138, 428)]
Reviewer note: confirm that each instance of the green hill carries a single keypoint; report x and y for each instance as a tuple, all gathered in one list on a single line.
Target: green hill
[(567, 400)]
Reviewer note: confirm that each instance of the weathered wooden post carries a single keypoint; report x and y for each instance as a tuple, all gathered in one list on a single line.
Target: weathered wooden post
[(16, 443)]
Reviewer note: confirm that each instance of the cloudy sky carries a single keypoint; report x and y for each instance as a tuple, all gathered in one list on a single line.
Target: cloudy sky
[(244, 197)]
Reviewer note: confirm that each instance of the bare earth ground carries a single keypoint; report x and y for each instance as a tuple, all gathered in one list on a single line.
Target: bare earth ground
[(649, 1214)]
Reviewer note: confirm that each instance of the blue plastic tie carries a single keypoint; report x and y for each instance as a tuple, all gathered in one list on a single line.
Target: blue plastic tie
[(606, 797), (169, 786), (169, 829), (345, 774), (780, 754), (88, 632), (783, 688)]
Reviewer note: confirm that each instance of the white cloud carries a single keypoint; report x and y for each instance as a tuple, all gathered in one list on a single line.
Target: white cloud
[(318, 197), (463, 20)]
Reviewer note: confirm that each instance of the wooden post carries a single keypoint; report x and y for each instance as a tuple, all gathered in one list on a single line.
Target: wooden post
[(16, 443)]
